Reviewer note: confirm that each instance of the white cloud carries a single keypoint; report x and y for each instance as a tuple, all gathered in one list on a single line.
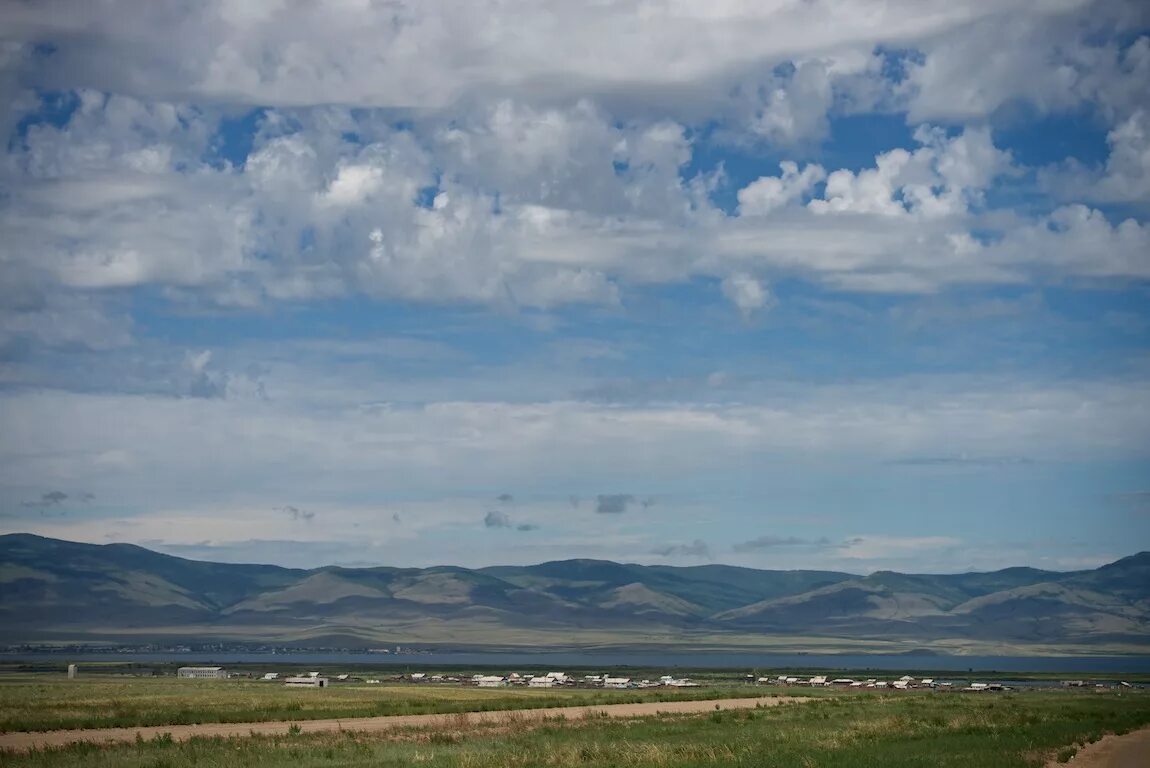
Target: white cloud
[(134, 450), (792, 109), (767, 193), (879, 547), (746, 293), (61, 319), (1128, 167), (1055, 62), (944, 177), (554, 168), (348, 53), (1078, 240), (198, 361), (536, 207)]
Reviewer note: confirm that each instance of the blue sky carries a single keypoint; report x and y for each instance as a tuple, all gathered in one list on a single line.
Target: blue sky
[(432, 284)]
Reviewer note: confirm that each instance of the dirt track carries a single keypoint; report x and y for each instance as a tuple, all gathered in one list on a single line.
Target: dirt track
[(22, 742), (1131, 750)]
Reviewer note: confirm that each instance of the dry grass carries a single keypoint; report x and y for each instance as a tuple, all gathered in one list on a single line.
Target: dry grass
[(37, 703), (850, 731)]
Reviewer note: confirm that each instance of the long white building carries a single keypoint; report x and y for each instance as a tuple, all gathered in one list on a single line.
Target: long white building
[(212, 673)]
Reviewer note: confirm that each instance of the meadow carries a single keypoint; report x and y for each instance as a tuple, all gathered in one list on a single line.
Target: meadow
[(47, 702), (840, 731)]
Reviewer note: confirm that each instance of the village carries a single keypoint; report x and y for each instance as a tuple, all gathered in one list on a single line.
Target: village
[(315, 679)]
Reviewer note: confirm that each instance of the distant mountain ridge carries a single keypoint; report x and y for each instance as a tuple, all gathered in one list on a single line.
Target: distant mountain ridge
[(53, 590)]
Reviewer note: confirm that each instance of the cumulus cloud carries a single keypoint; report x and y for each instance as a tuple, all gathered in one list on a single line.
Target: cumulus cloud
[(200, 376), (1126, 176), (613, 503), (697, 548), (265, 157), (1054, 62), (47, 500), (876, 547), (239, 53), (1078, 240), (48, 317), (775, 542), (770, 192), (946, 176), (869, 547), (509, 205), (747, 294), (791, 107), (496, 519), (297, 514)]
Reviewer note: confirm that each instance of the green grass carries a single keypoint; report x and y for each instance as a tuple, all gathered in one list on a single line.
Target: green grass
[(845, 731), (39, 703)]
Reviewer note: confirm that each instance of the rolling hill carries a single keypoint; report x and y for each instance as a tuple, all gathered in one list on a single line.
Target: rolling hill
[(53, 590)]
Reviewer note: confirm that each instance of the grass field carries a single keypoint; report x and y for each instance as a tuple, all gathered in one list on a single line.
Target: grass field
[(43, 702), (841, 731)]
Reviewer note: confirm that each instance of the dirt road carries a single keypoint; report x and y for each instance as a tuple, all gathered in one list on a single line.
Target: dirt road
[(1131, 750), (22, 742)]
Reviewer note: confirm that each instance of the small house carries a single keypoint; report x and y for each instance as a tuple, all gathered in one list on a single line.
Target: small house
[(491, 681), (307, 681)]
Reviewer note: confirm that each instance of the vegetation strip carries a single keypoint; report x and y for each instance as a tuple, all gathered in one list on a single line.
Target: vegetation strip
[(27, 741), (908, 730), (43, 704)]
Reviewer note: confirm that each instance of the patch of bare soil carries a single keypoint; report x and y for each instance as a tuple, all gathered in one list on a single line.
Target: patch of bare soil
[(22, 742), (1131, 750)]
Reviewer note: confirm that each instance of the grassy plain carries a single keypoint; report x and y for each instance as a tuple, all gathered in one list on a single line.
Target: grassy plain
[(841, 731), (43, 702)]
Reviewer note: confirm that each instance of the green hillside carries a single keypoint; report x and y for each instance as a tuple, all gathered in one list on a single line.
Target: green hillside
[(65, 591)]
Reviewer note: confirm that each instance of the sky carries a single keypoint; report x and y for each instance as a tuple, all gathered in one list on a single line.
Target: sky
[(776, 283)]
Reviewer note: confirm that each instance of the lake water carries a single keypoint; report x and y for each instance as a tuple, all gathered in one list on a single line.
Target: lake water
[(1095, 665)]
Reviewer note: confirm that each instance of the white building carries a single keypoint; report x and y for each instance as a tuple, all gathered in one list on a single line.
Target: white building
[(617, 682), (310, 681), (541, 682), (491, 681), (680, 683), (204, 673)]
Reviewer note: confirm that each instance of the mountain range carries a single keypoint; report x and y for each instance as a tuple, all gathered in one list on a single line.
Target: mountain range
[(61, 591)]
